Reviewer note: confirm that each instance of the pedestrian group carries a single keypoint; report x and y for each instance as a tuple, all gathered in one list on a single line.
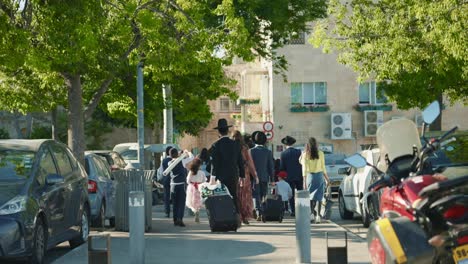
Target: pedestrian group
[(244, 168)]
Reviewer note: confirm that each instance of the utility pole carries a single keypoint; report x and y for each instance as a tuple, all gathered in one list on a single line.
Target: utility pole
[(167, 115), (141, 119)]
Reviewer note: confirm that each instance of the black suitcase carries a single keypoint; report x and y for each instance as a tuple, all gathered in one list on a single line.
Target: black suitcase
[(222, 213), (273, 208)]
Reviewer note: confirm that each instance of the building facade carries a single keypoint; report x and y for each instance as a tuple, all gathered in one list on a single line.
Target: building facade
[(318, 98)]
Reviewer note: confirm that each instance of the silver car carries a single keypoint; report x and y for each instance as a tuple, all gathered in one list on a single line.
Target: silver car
[(101, 190), (333, 162)]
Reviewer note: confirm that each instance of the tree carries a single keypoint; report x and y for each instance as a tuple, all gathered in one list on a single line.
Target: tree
[(86, 45), (415, 48)]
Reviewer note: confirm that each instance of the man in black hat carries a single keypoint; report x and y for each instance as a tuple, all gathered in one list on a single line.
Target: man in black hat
[(227, 161), (264, 165), (289, 162)]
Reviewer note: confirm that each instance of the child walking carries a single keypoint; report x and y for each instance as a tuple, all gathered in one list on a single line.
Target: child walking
[(195, 177), (283, 189)]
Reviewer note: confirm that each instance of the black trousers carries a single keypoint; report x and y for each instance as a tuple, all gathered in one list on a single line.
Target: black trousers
[(232, 187), (178, 200), (295, 185), (261, 190)]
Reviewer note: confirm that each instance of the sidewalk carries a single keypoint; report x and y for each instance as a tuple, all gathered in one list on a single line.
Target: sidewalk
[(269, 242)]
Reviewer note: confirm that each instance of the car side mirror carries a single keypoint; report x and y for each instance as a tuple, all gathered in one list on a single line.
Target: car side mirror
[(54, 178), (344, 171)]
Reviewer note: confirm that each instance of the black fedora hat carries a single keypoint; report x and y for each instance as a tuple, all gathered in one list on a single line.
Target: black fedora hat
[(287, 140), (222, 123), (260, 138)]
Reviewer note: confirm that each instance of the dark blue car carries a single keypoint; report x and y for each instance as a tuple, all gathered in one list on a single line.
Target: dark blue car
[(43, 198)]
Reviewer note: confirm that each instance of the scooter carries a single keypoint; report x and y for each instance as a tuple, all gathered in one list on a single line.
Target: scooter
[(407, 223)]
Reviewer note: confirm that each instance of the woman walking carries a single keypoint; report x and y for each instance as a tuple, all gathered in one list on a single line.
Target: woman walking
[(195, 177), (314, 171), (244, 191)]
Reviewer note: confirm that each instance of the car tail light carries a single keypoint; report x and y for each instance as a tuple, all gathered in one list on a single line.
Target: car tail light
[(92, 186), (377, 251), (455, 212)]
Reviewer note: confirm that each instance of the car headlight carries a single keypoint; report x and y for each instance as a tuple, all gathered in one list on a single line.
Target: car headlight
[(15, 205)]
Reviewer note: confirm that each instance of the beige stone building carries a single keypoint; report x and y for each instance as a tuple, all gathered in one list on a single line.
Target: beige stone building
[(320, 98)]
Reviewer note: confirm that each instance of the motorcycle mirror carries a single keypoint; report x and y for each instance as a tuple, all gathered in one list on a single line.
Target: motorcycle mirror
[(431, 112), (356, 161)]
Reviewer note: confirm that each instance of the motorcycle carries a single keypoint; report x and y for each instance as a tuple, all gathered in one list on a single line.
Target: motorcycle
[(414, 203)]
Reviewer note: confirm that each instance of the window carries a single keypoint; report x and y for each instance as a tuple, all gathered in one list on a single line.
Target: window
[(224, 104), (297, 39), (235, 106), (313, 93), (46, 167), (227, 105), (63, 161), (370, 93)]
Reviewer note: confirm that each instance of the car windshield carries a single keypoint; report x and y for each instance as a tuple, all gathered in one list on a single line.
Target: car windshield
[(335, 159), (15, 164), (129, 154)]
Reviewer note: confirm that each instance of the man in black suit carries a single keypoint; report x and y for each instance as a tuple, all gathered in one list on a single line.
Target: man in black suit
[(289, 162), (227, 161)]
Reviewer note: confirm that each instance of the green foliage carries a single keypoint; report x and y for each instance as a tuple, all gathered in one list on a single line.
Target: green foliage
[(4, 134), (40, 132), (419, 47), (43, 44)]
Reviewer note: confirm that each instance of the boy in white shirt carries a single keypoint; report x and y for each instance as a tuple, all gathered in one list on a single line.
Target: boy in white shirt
[(283, 189)]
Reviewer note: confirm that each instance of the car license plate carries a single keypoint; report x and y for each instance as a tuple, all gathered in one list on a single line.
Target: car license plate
[(335, 183), (460, 254)]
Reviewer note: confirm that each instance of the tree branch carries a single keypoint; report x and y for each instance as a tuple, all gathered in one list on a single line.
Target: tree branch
[(181, 10), (93, 103)]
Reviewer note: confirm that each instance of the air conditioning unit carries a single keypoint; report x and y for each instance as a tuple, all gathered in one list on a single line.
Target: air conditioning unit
[(418, 119), (341, 126), (372, 121)]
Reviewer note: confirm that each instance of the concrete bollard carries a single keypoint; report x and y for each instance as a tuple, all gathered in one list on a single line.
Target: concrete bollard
[(303, 227), (136, 206)]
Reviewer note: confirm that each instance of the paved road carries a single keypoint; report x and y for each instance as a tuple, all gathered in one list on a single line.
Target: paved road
[(353, 226)]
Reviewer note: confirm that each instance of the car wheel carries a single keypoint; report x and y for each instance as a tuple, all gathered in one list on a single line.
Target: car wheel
[(84, 230), (344, 213), (39, 243), (366, 219), (100, 220)]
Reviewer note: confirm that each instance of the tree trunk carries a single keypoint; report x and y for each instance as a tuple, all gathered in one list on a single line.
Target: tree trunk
[(76, 137), (157, 139)]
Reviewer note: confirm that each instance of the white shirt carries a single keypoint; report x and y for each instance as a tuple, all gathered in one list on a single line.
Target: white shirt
[(199, 177), (283, 189)]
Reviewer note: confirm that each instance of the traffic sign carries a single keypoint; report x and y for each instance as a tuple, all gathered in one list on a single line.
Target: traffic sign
[(268, 134), (268, 126)]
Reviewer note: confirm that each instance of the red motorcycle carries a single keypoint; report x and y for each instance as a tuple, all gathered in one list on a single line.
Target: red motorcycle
[(419, 204)]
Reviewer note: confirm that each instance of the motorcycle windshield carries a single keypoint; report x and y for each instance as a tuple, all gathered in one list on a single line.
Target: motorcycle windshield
[(396, 138)]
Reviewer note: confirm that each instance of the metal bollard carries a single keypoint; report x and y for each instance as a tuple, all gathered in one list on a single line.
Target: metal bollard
[(302, 227), (136, 206), (99, 255)]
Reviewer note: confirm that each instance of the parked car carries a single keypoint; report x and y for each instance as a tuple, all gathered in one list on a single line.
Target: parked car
[(113, 158), (354, 186), (43, 198), (101, 190), (334, 162), (129, 152)]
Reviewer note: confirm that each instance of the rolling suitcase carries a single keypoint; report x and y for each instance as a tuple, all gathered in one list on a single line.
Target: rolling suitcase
[(273, 208), (221, 213)]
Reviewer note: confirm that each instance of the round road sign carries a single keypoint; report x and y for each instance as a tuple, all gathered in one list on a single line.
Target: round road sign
[(268, 126)]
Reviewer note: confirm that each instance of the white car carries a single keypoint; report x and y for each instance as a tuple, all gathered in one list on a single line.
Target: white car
[(354, 187)]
